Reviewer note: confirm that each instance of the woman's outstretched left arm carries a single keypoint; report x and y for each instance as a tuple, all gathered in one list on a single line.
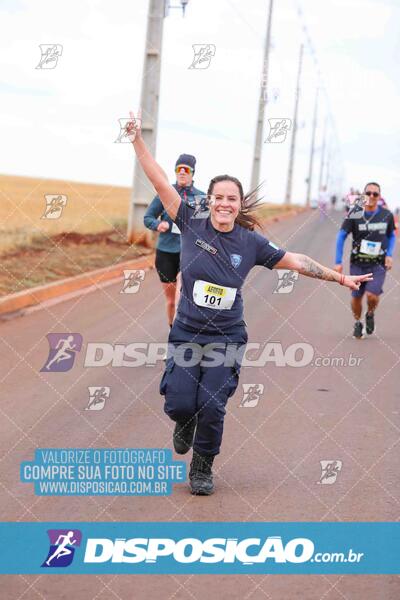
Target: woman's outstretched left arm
[(308, 266)]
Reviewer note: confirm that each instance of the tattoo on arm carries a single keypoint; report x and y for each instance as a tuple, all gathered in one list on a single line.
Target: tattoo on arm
[(310, 268)]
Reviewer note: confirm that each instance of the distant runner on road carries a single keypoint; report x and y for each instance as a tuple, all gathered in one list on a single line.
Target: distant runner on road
[(169, 242), (372, 250), (323, 202)]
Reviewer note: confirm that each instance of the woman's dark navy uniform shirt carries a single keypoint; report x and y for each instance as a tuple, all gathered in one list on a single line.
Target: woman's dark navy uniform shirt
[(214, 265)]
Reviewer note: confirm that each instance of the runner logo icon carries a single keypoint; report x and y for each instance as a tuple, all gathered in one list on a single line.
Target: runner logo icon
[(251, 394), (330, 470), (62, 351), (132, 280), (50, 54), (54, 206), (286, 281), (97, 397), (278, 130), (62, 547), (203, 54)]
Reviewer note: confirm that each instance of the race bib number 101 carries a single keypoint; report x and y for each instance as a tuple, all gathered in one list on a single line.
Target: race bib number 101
[(212, 295)]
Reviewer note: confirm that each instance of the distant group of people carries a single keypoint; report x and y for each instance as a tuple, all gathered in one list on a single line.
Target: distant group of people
[(328, 201), (354, 193)]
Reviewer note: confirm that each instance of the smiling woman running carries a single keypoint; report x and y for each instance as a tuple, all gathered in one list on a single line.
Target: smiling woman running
[(217, 254)]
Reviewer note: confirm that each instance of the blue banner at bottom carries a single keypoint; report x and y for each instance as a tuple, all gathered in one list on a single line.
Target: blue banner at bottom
[(199, 548)]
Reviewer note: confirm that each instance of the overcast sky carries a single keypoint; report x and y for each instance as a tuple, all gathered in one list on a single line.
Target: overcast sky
[(62, 122)]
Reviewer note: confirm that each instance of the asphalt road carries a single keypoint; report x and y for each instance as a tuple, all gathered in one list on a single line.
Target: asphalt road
[(269, 467)]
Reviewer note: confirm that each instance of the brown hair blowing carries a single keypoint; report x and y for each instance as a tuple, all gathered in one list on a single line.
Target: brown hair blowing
[(249, 202)]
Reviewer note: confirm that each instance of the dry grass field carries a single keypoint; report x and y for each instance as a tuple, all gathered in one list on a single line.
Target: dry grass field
[(89, 208), (88, 233)]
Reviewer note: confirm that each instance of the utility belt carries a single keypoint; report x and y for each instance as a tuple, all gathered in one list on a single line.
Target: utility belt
[(368, 252), (364, 260)]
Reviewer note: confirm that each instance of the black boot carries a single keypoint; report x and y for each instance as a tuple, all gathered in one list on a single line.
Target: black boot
[(184, 434), (200, 475)]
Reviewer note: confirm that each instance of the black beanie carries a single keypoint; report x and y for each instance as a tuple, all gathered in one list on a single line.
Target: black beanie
[(186, 159)]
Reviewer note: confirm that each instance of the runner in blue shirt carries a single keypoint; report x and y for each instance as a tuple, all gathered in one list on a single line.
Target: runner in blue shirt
[(217, 255), (372, 250), (168, 248)]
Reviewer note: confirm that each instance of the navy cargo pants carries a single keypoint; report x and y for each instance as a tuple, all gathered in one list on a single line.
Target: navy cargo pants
[(194, 386)]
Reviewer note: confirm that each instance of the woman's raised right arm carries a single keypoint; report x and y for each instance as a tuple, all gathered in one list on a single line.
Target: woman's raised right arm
[(169, 197)]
